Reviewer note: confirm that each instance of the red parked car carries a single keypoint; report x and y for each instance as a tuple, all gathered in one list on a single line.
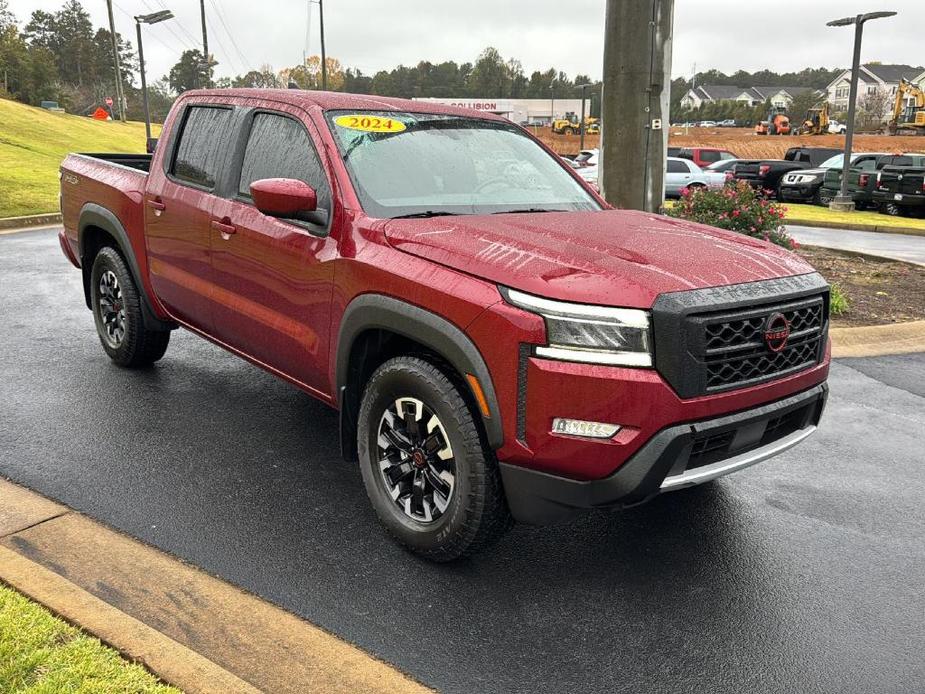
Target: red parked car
[(500, 343), (704, 156)]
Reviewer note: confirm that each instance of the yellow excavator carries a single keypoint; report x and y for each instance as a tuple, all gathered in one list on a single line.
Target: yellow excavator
[(908, 120), (816, 121)]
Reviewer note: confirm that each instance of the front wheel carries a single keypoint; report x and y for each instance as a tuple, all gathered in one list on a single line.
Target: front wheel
[(117, 311), (432, 481)]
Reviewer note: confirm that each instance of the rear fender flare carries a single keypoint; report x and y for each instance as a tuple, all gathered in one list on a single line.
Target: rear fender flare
[(93, 215)]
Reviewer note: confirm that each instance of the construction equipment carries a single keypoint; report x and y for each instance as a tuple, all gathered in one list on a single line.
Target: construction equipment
[(570, 125), (816, 121), (778, 123), (907, 120)]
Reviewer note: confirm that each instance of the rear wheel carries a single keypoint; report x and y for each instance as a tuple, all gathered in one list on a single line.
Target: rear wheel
[(891, 208), (432, 481), (119, 318)]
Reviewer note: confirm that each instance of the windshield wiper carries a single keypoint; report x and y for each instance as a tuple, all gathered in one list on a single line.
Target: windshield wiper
[(425, 214), (527, 210)]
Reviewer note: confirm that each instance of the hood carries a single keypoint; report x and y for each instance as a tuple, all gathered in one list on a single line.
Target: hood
[(813, 172), (612, 257)]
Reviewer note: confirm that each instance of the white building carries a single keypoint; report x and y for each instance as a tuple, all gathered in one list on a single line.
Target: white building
[(872, 78), (519, 110), (750, 96)]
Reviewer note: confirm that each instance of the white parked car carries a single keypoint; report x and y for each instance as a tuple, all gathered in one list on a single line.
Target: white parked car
[(683, 173)]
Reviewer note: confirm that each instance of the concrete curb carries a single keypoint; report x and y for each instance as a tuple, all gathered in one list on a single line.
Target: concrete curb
[(32, 220), (908, 231), (191, 629), (169, 660), (878, 340)]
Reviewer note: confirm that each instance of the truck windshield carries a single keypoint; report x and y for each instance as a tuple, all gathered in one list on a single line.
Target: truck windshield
[(418, 164)]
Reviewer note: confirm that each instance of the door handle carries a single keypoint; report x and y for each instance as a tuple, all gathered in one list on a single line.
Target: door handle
[(223, 227), (157, 205)]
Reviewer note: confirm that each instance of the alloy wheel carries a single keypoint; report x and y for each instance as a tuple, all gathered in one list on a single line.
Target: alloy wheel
[(112, 309), (416, 460)]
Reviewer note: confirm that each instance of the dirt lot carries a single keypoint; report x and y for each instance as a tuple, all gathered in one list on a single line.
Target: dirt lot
[(879, 291), (746, 144)]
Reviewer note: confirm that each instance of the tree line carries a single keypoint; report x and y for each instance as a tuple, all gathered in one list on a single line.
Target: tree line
[(60, 56)]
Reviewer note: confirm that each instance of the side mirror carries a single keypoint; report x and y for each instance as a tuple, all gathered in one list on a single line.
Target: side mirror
[(284, 197)]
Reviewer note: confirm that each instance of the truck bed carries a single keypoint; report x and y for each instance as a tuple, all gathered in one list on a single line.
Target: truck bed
[(141, 162)]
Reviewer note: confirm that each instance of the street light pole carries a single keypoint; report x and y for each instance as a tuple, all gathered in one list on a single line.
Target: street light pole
[(153, 18), (144, 86), (115, 62), (581, 124), (552, 103), (843, 202)]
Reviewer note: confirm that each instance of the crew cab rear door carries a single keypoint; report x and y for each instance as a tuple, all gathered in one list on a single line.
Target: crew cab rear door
[(178, 209), (273, 277)]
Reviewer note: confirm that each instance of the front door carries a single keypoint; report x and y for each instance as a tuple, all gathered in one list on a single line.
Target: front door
[(178, 211), (273, 278)]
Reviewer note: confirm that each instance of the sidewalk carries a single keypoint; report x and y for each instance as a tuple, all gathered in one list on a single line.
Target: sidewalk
[(910, 249), (191, 629)]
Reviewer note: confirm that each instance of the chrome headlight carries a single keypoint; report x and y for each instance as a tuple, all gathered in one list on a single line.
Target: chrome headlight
[(587, 333)]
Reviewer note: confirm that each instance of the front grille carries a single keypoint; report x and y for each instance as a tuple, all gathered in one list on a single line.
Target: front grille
[(735, 353), (711, 340)]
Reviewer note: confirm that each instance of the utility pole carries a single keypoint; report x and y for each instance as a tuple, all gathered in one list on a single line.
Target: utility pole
[(635, 102), (324, 59), (205, 43), (115, 62), (581, 123)]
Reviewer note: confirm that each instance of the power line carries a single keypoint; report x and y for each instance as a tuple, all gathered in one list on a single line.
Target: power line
[(191, 40), (244, 61), (228, 54)]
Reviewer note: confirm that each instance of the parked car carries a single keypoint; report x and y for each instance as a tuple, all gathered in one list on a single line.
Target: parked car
[(497, 346), (766, 175), (707, 124), (862, 179), (704, 156), (588, 157), (723, 166), (805, 185), (682, 174), (901, 190), (836, 128), (728, 123)]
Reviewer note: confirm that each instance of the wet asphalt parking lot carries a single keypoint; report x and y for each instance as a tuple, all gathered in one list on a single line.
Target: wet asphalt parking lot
[(803, 574)]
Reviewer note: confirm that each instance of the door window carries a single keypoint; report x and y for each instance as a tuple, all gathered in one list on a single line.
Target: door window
[(677, 167), (201, 146), (279, 147)]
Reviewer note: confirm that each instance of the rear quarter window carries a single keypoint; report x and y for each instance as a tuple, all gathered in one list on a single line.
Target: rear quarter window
[(201, 147)]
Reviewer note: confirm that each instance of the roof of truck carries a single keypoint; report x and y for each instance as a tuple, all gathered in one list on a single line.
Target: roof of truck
[(342, 101)]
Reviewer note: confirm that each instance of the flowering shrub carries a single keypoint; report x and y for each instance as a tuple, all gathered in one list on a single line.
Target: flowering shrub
[(736, 208)]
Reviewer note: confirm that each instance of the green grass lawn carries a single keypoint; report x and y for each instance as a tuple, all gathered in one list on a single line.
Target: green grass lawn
[(33, 142), (798, 214), (40, 654)]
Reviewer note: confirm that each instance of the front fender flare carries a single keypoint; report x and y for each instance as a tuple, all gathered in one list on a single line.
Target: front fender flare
[(378, 312)]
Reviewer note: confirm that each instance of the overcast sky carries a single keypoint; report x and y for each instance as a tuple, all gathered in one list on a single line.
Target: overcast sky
[(376, 34)]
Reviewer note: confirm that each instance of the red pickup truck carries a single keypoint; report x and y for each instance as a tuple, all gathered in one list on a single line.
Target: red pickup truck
[(499, 342)]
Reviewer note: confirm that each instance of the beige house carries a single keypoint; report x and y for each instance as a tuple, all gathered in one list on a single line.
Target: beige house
[(873, 78)]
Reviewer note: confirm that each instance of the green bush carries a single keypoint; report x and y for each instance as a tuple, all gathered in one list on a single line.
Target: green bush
[(736, 208), (838, 301)]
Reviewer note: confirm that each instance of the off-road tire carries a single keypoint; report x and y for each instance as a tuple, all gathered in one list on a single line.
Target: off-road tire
[(477, 513), (140, 346)]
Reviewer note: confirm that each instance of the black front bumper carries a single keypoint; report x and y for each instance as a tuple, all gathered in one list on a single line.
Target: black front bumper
[(676, 457), (798, 192)]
